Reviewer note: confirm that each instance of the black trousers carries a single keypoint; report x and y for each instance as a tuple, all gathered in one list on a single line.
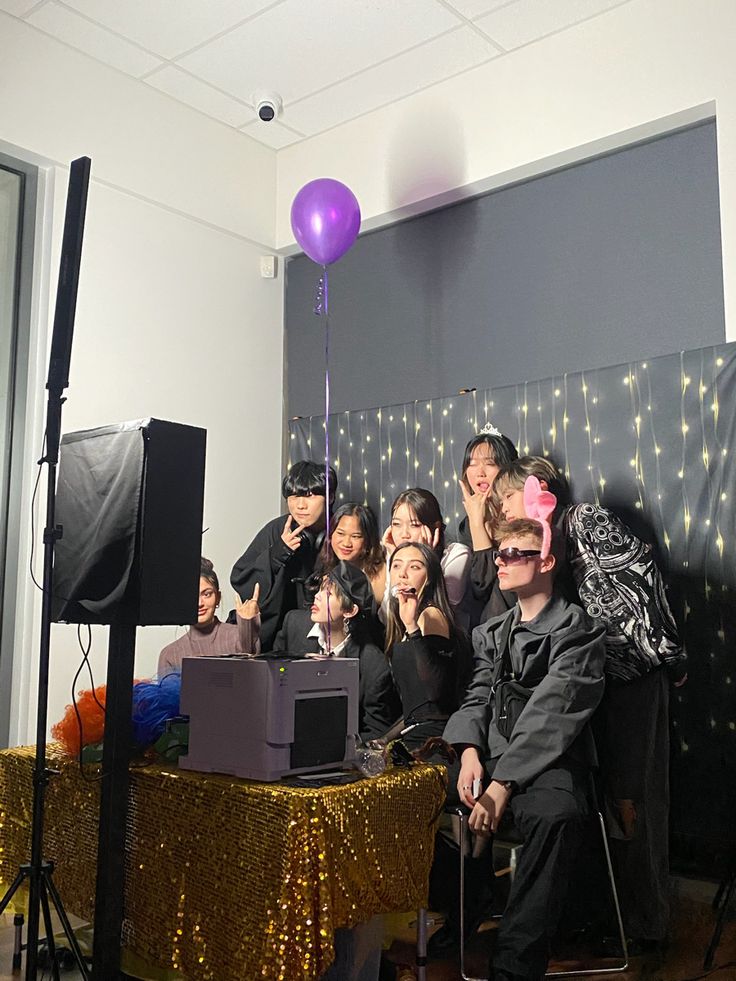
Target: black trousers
[(550, 813), (634, 745)]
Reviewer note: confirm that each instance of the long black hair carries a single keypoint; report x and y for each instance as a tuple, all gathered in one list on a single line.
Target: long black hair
[(372, 557), (433, 594), (427, 509), (502, 450)]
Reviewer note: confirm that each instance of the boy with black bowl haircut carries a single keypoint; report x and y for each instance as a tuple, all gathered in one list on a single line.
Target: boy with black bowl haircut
[(531, 738), (284, 552)]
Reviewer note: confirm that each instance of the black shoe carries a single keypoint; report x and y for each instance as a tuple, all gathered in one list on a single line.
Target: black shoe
[(497, 974), (387, 969), (444, 943)]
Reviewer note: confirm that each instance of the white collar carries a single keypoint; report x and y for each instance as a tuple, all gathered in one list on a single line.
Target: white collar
[(319, 632)]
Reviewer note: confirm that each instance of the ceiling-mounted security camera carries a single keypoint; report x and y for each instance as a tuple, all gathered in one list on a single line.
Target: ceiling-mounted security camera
[(268, 105)]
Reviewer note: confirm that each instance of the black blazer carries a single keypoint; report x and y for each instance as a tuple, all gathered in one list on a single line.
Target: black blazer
[(379, 704)]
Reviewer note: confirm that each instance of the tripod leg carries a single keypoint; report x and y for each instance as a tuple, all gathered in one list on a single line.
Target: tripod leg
[(18, 921), (68, 931), (12, 890), (716, 938), (49, 927)]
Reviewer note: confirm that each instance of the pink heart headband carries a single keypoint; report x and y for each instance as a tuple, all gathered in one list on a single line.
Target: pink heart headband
[(540, 505)]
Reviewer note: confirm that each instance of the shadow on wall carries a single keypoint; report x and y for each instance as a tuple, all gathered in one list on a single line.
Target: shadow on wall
[(427, 157)]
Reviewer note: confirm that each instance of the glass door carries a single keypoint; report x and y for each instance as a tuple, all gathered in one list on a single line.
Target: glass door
[(18, 187)]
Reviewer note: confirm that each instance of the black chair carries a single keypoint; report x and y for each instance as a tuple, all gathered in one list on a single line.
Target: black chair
[(462, 813)]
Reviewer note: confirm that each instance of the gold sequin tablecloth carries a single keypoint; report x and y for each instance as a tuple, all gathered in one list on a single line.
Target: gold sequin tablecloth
[(230, 879)]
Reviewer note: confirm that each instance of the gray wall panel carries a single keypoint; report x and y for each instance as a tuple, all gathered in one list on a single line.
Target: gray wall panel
[(612, 260)]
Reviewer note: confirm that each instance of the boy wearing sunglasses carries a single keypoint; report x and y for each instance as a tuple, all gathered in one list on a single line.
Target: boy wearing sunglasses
[(522, 734)]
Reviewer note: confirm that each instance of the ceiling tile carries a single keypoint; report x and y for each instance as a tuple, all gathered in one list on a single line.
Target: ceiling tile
[(406, 73), (528, 20), (272, 134), (474, 8), (201, 96), (299, 47), (17, 7), (169, 27), (67, 26)]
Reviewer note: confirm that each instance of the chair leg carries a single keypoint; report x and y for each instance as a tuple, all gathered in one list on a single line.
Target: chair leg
[(463, 832), (421, 957), (620, 968), (722, 901)]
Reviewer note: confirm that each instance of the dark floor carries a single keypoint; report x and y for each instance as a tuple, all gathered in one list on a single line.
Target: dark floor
[(692, 926), (693, 920)]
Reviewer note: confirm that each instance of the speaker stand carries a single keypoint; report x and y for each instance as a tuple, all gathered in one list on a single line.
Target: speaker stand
[(38, 871), (116, 750)]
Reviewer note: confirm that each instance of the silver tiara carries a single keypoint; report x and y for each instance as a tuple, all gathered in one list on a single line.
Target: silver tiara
[(490, 430)]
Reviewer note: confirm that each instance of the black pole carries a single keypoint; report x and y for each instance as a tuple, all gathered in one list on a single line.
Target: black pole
[(38, 872), (41, 772), (116, 746), (58, 380)]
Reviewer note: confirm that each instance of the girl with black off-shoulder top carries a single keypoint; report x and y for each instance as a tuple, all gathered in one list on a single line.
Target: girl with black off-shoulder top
[(429, 656)]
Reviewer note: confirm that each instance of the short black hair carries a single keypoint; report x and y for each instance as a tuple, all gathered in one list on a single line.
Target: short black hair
[(307, 478)]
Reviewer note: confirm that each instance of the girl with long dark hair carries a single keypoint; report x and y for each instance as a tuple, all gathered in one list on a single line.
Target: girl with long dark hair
[(429, 654), (416, 517), (485, 454), (355, 538)]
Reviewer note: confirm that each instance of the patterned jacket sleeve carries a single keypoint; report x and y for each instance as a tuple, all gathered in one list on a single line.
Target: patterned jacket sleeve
[(619, 583)]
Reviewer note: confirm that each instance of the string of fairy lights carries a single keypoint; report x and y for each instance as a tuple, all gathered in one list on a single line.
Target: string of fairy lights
[(648, 436), (652, 440)]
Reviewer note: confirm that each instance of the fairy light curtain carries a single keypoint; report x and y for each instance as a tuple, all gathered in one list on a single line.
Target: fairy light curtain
[(652, 440)]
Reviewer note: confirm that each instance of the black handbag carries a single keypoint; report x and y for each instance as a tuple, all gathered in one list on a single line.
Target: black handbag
[(510, 697), (511, 700)]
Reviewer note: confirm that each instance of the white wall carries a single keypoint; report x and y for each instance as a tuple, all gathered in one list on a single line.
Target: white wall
[(639, 69), (173, 319)]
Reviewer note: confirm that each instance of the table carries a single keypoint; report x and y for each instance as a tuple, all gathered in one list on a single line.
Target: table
[(232, 879)]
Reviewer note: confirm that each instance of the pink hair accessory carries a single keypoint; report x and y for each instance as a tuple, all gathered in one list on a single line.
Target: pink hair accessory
[(540, 505)]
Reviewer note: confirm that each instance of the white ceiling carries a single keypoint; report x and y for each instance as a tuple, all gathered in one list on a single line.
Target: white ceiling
[(329, 60)]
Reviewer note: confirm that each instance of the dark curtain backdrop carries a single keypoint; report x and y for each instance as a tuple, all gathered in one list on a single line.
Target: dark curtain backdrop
[(654, 441)]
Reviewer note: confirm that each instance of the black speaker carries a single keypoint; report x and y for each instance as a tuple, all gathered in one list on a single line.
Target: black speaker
[(129, 506)]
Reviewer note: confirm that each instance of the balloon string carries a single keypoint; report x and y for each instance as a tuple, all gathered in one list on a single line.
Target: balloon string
[(326, 313)]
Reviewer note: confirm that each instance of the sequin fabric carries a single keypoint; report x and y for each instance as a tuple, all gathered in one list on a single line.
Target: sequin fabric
[(230, 879)]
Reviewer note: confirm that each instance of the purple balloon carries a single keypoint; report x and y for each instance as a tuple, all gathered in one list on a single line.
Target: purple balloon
[(325, 219)]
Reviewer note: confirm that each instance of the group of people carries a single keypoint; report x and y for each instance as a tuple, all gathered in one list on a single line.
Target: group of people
[(573, 648)]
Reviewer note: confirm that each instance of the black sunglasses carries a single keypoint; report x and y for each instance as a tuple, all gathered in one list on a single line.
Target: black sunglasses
[(509, 556)]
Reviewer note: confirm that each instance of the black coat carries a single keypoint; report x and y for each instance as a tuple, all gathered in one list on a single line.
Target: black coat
[(559, 656), (379, 705), (280, 573)]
